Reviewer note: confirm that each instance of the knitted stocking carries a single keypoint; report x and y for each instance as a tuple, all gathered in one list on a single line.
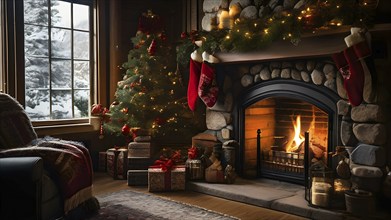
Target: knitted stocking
[(207, 87), (194, 78)]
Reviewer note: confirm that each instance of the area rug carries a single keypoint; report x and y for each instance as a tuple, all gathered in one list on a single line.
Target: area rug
[(131, 205)]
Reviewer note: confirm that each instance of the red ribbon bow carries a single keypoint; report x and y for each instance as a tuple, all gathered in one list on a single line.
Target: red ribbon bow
[(167, 164), (192, 152)]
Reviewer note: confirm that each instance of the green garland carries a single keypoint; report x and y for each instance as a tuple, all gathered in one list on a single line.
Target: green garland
[(252, 35)]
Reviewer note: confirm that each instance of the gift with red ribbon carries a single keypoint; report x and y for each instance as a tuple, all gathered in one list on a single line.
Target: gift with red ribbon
[(166, 174), (194, 166)]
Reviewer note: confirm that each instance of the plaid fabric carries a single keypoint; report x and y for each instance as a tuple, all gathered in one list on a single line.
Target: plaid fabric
[(16, 129)]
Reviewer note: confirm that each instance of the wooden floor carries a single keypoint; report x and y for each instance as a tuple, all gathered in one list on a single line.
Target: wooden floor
[(105, 184)]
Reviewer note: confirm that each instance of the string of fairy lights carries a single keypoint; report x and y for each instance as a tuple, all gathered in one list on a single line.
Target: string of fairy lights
[(235, 34)]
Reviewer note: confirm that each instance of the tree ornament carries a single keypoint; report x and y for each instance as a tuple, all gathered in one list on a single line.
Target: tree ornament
[(163, 36), (125, 110), (125, 130), (114, 104), (152, 48), (184, 35)]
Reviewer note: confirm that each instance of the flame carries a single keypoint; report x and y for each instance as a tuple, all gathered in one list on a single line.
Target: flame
[(298, 138)]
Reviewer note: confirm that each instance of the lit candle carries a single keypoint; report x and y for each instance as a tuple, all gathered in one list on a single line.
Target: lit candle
[(321, 193), (234, 10), (225, 20)]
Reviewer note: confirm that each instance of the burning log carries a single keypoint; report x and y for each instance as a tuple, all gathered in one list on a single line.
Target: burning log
[(317, 150)]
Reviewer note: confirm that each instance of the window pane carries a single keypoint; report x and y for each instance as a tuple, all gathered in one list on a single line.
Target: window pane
[(61, 14), (36, 73), (82, 74), (61, 43), (61, 104), (37, 104), (81, 45), (36, 12), (61, 74), (82, 98), (81, 16), (36, 40)]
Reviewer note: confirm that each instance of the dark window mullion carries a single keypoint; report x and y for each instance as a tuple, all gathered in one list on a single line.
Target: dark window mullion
[(92, 72), (72, 64), (50, 58)]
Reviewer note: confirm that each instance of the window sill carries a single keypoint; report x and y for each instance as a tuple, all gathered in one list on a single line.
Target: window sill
[(92, 125)]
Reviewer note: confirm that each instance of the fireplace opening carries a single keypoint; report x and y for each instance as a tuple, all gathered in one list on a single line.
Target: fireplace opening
[(283, 122), (273, 118)]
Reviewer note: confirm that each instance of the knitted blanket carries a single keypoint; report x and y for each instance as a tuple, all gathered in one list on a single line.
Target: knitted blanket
[(15, 126)]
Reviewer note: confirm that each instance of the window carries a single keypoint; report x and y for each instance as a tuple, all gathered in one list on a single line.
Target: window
[(2, 49), (58, 58)]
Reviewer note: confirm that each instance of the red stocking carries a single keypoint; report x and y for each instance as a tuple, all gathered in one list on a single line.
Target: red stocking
[(192, 89), (354, 82), (207, 87)]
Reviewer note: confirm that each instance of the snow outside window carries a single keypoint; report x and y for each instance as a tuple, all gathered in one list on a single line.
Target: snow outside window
[(57, 46)]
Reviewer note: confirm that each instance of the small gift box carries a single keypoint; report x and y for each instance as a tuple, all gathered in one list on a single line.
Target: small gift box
[(169, 180), (139, 149), (117, 161), (165, 175), (194, 166), (194, 169), (214, 173)]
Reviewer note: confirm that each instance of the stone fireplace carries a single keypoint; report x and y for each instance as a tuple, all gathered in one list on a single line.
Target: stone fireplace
[(273, 98)]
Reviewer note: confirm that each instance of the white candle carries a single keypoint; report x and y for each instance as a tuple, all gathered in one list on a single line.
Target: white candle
[(225, 20), (320, 199), (320, 193)]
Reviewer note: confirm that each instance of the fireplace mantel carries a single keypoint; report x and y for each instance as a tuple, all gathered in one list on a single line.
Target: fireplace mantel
[(312, 45)]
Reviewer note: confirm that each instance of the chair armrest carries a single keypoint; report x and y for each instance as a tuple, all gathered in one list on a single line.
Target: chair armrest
[(21, 186), (28, 169)]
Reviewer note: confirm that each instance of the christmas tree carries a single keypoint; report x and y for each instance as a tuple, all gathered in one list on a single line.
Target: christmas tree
[(151, 96)]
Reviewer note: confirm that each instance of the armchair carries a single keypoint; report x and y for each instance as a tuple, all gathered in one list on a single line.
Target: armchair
[(41, 178)]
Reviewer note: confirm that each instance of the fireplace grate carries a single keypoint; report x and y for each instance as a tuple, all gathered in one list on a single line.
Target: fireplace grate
[(281, 161)]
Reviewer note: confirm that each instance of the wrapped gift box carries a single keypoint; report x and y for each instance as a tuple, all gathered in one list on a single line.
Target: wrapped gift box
[(171, 180), (137, 177), (102, 161), (139, 163), (117, 161), (139, 149), (194, 169)]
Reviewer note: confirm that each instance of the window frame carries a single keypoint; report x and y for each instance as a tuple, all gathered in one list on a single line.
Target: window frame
[(13, 63)]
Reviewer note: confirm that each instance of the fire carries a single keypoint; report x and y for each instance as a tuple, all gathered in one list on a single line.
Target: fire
[(298, 139)]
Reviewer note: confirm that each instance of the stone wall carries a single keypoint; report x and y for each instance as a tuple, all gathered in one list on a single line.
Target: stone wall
[(362, 128), (242, 9)]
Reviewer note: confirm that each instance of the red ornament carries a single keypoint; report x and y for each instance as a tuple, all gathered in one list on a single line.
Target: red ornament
[(125, 110), (152, 48), (125, 130), (163, 36), (96, 109), (183, 35)]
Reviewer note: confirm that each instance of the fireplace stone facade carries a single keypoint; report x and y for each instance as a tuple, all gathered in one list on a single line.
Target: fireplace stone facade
[(361, 129)]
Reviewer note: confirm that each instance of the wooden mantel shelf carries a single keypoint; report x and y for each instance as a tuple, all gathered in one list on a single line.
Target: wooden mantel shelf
[(318, 45)]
